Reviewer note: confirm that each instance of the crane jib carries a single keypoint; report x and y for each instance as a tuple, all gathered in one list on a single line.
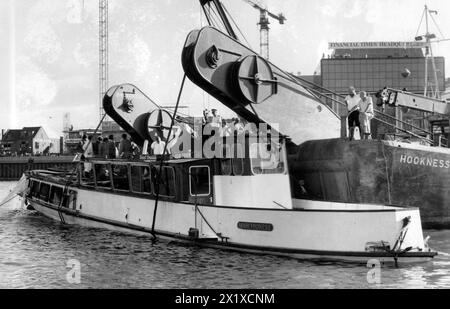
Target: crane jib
[(254, 88)]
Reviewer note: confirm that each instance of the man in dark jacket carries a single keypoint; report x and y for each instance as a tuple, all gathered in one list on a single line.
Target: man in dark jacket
[(125, 151), (103, 148), (96, 146), (111, 148)]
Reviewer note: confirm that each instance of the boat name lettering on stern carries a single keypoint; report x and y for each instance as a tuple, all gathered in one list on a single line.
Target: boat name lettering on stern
[(424, 161), (255, 226)]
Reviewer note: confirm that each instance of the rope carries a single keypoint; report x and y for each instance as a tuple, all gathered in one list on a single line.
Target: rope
[(435, 23), (401, 237), (219, 235), (8, 200), (207, 15), (84, 152), (163, 157), (236, 25), (420, 24), (215, 23), (95, 132)]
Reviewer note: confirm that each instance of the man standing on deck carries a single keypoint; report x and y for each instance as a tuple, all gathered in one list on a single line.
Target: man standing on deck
[(88, 153), (96, 146), (216, 120), (365, 114), (352, 101), (111, 148), (158, 146), (125, 148)]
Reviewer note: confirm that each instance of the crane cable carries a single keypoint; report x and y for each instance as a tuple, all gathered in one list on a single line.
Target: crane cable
[(236, 25), (162, 158), (420, 24)]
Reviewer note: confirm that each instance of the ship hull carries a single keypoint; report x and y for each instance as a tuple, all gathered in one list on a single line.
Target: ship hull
[(308, 232), (376, 172)]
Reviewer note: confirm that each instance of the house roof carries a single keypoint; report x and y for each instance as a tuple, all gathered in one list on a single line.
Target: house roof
[(20, 134)]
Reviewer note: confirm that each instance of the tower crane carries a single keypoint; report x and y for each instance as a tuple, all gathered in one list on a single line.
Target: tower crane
[(264, 15), (103, 53)]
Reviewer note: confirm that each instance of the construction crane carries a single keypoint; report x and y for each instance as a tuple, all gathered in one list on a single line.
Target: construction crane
[(264, 26), (103, 53), (438, 109), (407, 99)]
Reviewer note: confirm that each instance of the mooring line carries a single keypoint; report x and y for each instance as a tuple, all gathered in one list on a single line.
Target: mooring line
[(162, 158)]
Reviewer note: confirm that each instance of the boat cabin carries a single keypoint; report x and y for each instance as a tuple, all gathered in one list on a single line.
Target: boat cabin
[(216, 181)]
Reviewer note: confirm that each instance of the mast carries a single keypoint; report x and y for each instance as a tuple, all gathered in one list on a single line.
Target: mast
[(429, 54), (427, 48)]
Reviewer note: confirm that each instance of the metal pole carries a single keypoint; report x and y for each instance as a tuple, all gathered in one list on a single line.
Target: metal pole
[(426, 51), (436, 83), (158, 179)]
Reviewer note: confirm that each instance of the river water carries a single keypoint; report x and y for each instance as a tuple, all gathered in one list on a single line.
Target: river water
[(34, 253)]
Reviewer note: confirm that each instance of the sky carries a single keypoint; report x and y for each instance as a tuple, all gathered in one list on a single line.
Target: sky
[(49, 48)]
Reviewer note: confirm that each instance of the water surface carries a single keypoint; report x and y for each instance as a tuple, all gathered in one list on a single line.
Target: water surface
[(34, 251)]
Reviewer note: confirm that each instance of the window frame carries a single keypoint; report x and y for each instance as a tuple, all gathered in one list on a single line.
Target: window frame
[(190, 180), (174, 182), (35, 194), (127, 173), (141, 178), (51, 192), (48, 193), (111, 186)]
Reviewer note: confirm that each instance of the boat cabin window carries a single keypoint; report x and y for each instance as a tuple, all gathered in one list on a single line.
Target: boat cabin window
[(267, 158), (140, 179), (102, 175), (56, 194), (199, 180), (167, 181), (35, 188), (44, 191), (69, 200), (120, 177)]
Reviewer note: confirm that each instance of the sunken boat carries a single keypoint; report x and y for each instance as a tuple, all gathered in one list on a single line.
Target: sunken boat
[(234, 203), (247, 202)]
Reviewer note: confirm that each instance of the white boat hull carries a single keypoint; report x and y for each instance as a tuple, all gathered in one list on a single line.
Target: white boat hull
[(318, 230)]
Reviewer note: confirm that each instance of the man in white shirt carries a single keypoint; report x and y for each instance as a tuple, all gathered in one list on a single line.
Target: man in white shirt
[(88, 153), (216, 118), (365, 114), (352, 101), (158, 146)]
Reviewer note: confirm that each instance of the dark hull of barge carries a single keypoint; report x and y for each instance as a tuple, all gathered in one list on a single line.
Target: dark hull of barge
[(378, 172)]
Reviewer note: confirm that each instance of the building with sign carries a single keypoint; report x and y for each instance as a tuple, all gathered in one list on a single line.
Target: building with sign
[(371, 66)]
